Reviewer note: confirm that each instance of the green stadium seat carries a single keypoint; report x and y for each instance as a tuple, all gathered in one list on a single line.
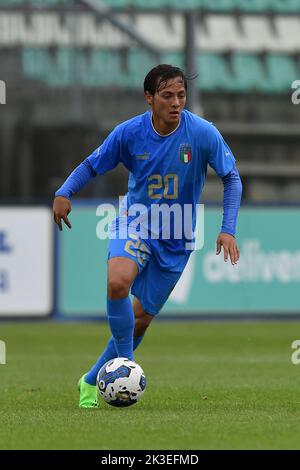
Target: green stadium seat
[(248, 73), (255, 6), (102, 69), (139, 64), (117, 3), (149, 5), (286, 6), (282, 71), (244, 72), (10, 3), (214, 73), (35, 64), (29, 64), (173, 58), (63, 71), (181, 5), (175, 4), (218, 5)]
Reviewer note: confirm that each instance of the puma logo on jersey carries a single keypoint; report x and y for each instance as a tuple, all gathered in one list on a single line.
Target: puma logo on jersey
[(143, 156)]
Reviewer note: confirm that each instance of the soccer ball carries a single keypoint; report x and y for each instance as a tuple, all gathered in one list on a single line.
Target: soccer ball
[(121, 382)]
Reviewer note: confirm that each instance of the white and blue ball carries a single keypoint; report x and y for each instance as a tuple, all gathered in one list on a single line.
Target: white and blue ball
[(121, 382)]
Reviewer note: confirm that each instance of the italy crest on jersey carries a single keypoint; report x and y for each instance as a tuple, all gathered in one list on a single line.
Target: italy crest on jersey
[(185, 153)]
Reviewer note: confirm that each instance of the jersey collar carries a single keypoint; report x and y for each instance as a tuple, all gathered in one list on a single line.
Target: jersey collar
[(164, 135)]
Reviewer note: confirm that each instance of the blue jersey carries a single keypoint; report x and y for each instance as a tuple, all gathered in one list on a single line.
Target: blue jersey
[(165, 169)]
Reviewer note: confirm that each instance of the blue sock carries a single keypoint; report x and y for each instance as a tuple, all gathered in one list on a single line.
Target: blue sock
[(109, 353), (121, 321)]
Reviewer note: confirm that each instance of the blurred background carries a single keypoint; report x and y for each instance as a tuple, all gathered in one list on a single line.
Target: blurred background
[(72, 70)]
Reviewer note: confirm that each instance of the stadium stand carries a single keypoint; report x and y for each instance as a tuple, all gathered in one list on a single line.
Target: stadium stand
[(226, 43), (228, 6), (242, 73), (248, 55)]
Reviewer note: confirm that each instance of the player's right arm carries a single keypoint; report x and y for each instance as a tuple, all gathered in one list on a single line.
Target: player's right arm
[(104, 158), (61, 210), (74, 183)]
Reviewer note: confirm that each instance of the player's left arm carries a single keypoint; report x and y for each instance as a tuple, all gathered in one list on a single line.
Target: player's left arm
[(221, 159), (231, 204)]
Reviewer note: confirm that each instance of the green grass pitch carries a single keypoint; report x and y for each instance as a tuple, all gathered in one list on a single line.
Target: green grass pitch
[(210, 386)]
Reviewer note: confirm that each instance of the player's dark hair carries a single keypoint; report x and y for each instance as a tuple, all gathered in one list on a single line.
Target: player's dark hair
[(159, 75)]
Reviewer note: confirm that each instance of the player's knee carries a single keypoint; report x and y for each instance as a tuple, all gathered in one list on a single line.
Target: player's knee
[(118, 288)]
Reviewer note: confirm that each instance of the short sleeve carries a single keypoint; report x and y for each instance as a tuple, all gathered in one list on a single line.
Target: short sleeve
[(110, 153), (219, 155)]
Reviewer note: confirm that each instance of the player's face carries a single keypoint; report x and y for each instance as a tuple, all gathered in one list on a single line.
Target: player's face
[(168, 102)]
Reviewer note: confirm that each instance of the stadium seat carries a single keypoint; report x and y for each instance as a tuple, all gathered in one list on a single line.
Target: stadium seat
[(162, 33), (102, 34), (187, 4), (117, 3), (29, 63), (286, 6), (146, 4), (254, 6), (103, 69), (243, 72), (221, 34), (282, 71), (218, 5), (214, 73), (257, 35), (139, 63), (288, 30), (248, 73), (174, 58), (56, 69)]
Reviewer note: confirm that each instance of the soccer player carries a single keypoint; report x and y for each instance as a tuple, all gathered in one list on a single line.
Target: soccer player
[(166, 151)]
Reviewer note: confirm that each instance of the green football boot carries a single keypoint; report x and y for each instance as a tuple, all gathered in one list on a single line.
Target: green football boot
[(88, 394)]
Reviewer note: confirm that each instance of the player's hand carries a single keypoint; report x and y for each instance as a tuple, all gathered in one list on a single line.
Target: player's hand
[(61, 210), (228, 242)]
